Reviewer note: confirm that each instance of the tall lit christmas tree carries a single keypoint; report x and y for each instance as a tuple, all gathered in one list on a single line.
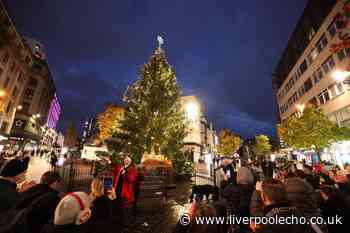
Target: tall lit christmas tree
[(154, 123)]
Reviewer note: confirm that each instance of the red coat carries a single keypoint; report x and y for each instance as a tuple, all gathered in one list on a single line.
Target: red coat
[(129, 181)]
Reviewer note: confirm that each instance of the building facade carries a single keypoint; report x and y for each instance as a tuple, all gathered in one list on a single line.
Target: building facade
[(201, 140), (307, 71), (15, 63), (89, 131), (29, 104)]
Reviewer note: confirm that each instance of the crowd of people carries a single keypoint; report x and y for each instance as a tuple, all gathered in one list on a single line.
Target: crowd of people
[(255, 190), (28, 207), (297, 190)]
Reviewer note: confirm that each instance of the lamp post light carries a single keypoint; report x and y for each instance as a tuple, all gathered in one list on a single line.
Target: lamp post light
[(2, 93), (192, 111), (300, 108), (341, 76)]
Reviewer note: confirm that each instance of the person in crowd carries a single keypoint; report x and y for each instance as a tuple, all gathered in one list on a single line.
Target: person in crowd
[(229, 172), (107, 214), (256, 205), (12, 173), (238, 196), (274, 199), (43, 210), (335, 203), (53, 160), (124, 182), (342, 182), (301, 195), (71, 214), (202, 209), (270, 166)]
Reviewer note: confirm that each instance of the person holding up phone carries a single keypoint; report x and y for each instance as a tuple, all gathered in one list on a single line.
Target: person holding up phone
[(107, 214)]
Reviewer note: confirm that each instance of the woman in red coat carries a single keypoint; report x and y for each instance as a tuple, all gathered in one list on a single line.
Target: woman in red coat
[(124, 182)]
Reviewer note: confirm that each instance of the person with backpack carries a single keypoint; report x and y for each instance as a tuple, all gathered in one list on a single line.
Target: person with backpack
[(12, 173), (44, 209)]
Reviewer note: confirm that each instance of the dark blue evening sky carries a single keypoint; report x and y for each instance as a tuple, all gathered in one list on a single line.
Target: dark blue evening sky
[(223, 51)]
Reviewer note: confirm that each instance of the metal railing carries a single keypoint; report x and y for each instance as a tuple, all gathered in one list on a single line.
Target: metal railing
[(214, 177), (75, 176)]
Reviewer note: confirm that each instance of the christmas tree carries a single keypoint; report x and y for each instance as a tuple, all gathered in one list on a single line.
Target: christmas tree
[(153, 121)]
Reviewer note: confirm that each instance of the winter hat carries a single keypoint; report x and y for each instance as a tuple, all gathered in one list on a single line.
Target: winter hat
[(73, 208), (14, 167), (244, 176)]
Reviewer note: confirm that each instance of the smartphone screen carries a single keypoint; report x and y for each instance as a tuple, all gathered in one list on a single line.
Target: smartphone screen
[(108, 181), (228, 173)]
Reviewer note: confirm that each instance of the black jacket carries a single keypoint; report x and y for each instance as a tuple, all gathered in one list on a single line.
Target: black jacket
[(283, 211), (238, 197), (70, 228), (8, 195), (106, 215), (337, 206), (44, 210)]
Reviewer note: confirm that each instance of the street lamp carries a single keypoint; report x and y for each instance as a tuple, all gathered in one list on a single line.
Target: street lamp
[(2, 93), (341, 76)]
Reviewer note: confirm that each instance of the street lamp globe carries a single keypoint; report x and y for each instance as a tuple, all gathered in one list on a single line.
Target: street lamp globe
[(192, 111), (340, 75), (20, 107), (37, 115)]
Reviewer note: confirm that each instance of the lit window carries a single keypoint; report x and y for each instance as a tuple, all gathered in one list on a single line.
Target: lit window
[(328, 64), (322, 43), (313, 55)]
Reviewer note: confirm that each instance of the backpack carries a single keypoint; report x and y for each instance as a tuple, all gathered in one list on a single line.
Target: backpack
[(15, 220)]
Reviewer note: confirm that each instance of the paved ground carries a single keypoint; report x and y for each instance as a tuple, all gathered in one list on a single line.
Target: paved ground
[(152, 218), (37, 167)]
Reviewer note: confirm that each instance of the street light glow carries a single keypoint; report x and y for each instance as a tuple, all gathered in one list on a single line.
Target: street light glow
[(340, 75), (192, 111), (19, 107), (37, 115), (300, 107), (2, 93)]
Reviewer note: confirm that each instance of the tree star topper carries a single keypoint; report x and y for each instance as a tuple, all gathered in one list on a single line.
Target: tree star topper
[(160, 41)]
